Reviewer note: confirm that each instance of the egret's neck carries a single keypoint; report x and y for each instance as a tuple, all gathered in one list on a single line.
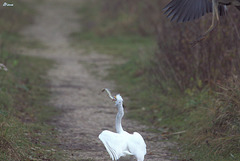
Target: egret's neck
[(119, 116)]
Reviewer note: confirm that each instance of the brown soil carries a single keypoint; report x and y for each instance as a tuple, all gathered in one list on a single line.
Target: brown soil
[(75, 90)]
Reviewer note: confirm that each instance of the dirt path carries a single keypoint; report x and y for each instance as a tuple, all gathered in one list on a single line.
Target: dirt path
[(75, 90)]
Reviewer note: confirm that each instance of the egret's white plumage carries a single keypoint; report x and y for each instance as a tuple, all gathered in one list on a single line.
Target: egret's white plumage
[(122, 143)]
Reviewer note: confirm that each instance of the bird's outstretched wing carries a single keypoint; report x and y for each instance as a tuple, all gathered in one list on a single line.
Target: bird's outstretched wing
[(187, 10), (136, 145), (115, 144)]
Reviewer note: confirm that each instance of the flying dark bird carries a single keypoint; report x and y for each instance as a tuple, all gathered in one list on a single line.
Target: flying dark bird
[(188, 10)]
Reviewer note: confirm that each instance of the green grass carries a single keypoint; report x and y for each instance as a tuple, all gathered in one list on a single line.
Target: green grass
[(168, 110), (201, 115), (110, 44), (25, 133), (24, 110)]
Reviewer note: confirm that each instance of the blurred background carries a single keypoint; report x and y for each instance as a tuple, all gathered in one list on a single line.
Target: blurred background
[(172, 86)]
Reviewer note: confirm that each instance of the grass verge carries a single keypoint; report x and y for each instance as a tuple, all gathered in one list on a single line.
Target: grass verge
[(203, 120), (193, 113), (25, 133)]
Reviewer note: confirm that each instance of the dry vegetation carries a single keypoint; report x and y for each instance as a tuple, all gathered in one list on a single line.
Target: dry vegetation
[(195, 89), (210, 61)]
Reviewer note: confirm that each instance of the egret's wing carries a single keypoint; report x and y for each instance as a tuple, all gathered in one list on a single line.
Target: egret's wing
[(115, 144), (136, 144), (187, 10)]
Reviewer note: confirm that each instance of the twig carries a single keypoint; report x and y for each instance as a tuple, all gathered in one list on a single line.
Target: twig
[(176, 133)]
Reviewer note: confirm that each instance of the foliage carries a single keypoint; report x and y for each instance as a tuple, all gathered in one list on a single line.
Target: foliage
[(210, 61), (223, 134), (176, 59), (24, 134), (23, 110), (176, 87), (117, 17)]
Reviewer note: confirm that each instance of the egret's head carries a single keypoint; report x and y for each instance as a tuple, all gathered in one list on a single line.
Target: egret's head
[(118, 99)]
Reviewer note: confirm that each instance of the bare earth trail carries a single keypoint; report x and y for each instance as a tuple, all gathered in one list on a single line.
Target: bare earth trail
[(75, 90)]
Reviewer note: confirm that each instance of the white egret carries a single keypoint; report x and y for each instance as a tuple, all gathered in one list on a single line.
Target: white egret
[(122, 143)]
